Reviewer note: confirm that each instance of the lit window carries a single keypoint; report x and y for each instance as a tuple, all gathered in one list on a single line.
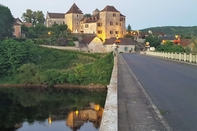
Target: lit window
[(99, 31)]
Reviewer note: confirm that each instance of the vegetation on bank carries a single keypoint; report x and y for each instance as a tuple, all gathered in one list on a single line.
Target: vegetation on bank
[(27, 63)]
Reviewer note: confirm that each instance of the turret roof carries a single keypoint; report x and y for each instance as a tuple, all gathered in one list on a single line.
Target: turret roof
[(110, 8), (74, 9)]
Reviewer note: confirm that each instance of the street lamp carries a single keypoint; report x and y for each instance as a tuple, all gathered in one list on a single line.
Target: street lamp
[(49, 33)]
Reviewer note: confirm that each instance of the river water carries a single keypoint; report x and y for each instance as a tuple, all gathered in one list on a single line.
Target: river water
[(50, 109)]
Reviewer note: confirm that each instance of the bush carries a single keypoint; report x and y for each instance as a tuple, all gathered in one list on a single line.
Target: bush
[(170, 47), (71, 43), (27, 73)]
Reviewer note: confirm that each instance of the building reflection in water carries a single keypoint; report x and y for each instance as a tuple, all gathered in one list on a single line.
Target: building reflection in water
[(77, 118)]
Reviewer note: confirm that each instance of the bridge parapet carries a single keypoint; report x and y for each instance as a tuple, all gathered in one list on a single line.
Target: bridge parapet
[(187, 57), (110, 115)]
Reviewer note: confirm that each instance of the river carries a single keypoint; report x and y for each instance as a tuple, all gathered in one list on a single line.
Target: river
[(50, 109)]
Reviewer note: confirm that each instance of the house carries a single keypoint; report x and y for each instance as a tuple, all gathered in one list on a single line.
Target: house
[(17, 28), (91, 43), (125, 45), (54, 18), (174, 39)]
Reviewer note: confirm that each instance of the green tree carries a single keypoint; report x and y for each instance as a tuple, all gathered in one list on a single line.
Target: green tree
[(87, 15), (28, 16), (39, 17), (129, 29), (34, 17), (6, 22), (170, 47), (154, 41)]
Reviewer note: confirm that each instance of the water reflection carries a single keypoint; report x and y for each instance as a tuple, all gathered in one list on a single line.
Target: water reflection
[(33, 109), (77, 118)]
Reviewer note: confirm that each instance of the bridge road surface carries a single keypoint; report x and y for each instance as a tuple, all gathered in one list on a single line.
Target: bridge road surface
[(172, 86)]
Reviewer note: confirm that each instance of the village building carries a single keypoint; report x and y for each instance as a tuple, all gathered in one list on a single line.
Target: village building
[(106, 23), (125, 45), (17, 28), (54, 18)]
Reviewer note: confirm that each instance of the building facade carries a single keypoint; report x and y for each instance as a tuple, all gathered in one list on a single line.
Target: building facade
[(106, 23), (54, 18)]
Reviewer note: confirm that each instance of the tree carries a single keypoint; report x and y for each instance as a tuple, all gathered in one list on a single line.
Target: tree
[(154, 41), (87, 15), (28, 16), (6, 22), (170, 47), (34, 17), (129, 29)]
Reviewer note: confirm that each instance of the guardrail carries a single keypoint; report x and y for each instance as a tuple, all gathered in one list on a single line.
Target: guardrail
[(187, 57), (109, 120)]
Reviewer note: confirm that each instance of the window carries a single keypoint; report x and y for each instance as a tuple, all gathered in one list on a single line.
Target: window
[(111, 23), (99, 24), (111, 32), (99, 31), (125, 48), (120, 24), (114, 15), (86, 26), (116, 32), (77, 15), (116, 23)]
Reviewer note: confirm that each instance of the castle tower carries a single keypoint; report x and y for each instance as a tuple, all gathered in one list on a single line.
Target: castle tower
[(113, 23), (73, 17)]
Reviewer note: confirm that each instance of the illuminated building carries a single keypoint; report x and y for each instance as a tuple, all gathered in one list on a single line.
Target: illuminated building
[(106, 23)]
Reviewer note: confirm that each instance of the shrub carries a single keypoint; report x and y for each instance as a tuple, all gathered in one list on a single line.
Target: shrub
[(71, 43)]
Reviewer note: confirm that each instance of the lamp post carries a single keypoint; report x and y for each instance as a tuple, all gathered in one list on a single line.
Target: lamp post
[(115, 45), (49, 33)]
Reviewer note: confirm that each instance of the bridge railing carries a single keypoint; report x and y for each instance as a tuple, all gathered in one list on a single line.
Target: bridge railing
[(187, 57), (109, 120)]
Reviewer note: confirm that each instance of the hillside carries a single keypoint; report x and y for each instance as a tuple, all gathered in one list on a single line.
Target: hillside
[(184, 31)]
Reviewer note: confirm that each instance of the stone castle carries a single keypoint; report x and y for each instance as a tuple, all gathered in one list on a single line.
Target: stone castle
[(106, 23)]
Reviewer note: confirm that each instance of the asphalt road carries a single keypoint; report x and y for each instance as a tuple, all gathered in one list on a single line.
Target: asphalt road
[(171, 85)]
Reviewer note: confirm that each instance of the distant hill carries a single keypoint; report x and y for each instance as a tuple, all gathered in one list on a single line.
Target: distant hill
[(184, 31)]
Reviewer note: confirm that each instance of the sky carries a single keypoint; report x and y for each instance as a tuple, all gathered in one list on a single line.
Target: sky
[(140, 14)]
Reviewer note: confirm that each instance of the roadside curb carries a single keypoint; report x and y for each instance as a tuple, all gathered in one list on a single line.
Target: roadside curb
[(154, 110)]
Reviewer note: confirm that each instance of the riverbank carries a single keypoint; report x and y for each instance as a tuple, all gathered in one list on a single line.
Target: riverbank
[(65, 86)]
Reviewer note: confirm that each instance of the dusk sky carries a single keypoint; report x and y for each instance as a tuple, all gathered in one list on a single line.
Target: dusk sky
[(140, 14)]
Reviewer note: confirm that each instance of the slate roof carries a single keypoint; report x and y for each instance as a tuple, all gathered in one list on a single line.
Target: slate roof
[(168, 37), (87, 39), (123, 41), (56, 15), (74, 9), (185, 42), (110, 9), (91, 19)]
